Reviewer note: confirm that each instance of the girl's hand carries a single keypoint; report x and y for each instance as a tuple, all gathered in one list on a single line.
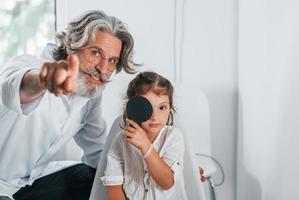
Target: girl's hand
[(202, 174), (136, 136)]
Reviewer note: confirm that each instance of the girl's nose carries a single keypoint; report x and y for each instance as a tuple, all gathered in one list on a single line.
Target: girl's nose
[(154, 115)]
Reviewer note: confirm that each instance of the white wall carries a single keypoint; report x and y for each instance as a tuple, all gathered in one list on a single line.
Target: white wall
[(268, 156), (208, 58)]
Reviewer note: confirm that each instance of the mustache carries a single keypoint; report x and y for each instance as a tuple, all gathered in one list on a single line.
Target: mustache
[(94, 73)]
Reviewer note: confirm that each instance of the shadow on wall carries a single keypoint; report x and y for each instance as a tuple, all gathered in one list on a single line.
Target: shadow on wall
[(222, 99), (285, 168), (248, 186)]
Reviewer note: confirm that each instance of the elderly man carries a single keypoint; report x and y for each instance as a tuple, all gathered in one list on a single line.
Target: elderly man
[(45, 103)]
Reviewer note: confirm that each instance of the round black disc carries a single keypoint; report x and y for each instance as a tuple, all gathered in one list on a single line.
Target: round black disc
[(139, 109)]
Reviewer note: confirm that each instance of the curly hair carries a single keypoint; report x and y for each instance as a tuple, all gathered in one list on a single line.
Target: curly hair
[(81, 32)]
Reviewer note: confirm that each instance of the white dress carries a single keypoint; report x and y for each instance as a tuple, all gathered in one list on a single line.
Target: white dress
[(126, 167)]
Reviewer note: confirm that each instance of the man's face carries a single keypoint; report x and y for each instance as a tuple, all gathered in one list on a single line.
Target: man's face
[(98, 62)]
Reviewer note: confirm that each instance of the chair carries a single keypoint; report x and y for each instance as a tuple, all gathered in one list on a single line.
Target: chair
[(98, 189), (192, 118)]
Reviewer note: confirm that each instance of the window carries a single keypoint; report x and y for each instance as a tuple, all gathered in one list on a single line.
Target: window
[(25, 26)]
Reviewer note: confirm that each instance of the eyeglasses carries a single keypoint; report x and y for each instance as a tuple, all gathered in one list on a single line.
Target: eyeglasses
[(95, 56)]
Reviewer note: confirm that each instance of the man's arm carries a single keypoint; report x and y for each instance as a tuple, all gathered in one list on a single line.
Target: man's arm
[(31, 87), (56, 77), (11, 76)]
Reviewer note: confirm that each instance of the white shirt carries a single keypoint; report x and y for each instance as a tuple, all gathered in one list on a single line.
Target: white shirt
[(126, 167), (30, 135)]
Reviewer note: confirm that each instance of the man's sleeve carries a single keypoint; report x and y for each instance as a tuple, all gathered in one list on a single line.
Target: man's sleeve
[(91, 138), (11, 75)]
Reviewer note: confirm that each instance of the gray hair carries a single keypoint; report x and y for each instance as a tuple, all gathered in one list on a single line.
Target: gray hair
[(82, 31)]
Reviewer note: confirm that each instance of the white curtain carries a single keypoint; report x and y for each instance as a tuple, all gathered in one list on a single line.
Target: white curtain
[(268, 137)]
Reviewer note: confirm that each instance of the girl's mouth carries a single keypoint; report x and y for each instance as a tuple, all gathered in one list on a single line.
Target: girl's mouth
[(154, 125)]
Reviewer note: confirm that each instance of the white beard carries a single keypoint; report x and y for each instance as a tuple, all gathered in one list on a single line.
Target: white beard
[(88, 89)]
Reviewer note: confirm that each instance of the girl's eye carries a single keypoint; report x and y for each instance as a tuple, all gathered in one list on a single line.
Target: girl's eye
[(163, 107)]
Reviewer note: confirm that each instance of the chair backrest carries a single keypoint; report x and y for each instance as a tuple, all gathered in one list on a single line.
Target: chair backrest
[(98, 190), (192, 117)]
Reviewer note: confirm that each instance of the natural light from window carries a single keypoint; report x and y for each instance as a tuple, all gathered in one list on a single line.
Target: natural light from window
[(25, 26)]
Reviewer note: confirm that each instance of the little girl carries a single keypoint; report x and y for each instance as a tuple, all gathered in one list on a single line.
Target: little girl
[(146, 162)]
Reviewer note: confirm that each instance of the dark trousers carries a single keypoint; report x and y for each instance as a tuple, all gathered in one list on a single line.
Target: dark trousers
[(73, 183)]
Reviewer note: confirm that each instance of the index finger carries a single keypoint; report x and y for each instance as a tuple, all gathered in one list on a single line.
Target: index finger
[(133, 123), (73, 64), (42, 74)]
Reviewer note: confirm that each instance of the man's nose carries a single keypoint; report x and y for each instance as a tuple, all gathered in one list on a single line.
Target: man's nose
[(103, 67)]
